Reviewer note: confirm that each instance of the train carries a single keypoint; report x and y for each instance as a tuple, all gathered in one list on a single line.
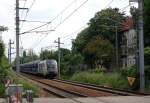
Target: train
[(46, 68)]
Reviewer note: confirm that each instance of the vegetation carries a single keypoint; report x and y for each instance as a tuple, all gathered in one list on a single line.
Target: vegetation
[(99, 33), (26, 84), (3, 63), (31, 56), (115, 80), (92, 53), (146, 23)]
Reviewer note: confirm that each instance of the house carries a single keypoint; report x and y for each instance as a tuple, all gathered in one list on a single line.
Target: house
[(128, 43)]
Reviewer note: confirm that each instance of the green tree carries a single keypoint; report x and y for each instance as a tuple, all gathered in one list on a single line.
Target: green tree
[(99, 51), (31, 56), (1, 50), (2, 29), (46, 54), (147, 55), (102, 24), (147, 22)]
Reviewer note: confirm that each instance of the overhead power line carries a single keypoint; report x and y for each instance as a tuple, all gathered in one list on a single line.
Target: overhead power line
[(108, 4), (70, 14), (62, 21), (50, 20), (23, 7), (27, 13)]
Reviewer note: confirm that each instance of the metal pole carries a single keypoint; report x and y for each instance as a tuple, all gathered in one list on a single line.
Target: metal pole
[(116, 28), (141, 45), (42, 53), (17, 36), (10, 51), (59, 57)]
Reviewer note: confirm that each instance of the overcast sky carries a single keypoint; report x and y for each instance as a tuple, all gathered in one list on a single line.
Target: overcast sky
[(46, 10)]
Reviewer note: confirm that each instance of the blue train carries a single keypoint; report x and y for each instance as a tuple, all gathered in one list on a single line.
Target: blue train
[(46, 68)]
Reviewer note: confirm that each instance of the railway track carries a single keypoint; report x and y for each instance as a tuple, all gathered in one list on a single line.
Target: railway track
[(58, 92), (83, 89), (104, 88)]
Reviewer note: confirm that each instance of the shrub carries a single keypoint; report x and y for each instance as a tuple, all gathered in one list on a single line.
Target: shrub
[(110, 79), (98, 70), (129, 71)]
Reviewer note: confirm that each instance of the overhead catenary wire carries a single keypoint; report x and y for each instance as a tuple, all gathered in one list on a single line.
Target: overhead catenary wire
[(64, 20), (27, 12), (108, 4), (50, 20), (23, 7)]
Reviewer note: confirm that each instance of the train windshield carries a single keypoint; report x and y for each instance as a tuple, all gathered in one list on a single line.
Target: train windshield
[(52, 65)]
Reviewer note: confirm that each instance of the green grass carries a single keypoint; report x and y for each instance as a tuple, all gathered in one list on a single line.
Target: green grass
[(111, 79), (27, 85)]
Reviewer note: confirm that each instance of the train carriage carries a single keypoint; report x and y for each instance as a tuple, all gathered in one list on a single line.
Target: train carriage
[(47, 68)]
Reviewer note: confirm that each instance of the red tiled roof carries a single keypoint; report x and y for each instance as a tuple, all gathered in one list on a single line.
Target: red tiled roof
[(127, 24)]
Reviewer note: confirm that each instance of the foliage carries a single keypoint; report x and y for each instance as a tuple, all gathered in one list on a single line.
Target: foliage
[(147, 74), (101, 25), (2, 28), (146, 22), (71, 63), (1, 50), (2, 89), (48, 55), (129, 71), (104, 21), (26, 84), (99, 51), (31, 56), (147, 56), (98, 70), (109, 79)]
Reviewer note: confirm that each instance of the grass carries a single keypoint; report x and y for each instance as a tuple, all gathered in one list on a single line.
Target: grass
[(26, 84), (115, 80)]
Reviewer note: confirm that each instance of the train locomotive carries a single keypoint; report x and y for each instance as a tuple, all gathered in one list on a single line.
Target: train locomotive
[(46, 68)]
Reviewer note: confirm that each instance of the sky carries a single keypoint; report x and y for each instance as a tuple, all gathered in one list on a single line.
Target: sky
[(46, 11)]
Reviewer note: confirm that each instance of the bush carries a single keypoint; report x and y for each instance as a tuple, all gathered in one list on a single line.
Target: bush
[(27, 85), (109, 79), (98, 70), (129, 71), (2, 89)]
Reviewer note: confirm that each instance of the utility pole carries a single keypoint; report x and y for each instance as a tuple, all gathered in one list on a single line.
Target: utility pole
[(141, 45), (8, 53), (59, 54), (9, 50), (17, 37)]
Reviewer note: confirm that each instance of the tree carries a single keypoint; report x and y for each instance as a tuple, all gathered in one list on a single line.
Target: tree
[(28, 57), (46, 54), (147, 56), (2, 28), (99, 51), (147, 23), (1, 50), (101, 25)]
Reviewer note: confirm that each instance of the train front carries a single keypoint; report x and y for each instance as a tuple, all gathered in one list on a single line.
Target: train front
[(52, 69)]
